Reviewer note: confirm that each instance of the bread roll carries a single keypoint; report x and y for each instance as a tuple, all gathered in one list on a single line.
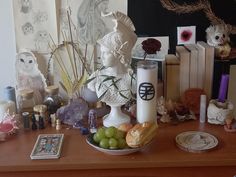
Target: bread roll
[(125, 127), (141, 134)]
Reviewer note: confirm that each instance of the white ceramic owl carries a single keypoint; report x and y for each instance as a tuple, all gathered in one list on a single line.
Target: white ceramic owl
[(28, 75), (218, 37)]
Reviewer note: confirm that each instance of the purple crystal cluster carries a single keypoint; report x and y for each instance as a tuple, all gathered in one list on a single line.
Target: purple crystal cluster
[(73, 112)]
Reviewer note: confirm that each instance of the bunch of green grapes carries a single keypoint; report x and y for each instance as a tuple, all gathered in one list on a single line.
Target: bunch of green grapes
[(110, 138)]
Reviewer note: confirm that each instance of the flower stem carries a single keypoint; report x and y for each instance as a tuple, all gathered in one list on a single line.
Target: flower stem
[(145, 55)]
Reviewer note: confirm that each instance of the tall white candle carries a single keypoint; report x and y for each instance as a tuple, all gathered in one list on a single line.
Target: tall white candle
[(146, 91), (6, 106), (203, 109)]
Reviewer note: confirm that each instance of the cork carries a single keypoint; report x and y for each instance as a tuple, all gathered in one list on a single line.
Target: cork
[(53, 89), (27, 93)]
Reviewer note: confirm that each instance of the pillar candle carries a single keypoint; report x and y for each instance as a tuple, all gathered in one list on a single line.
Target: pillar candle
[(223, 87), (203, 108), (146, 91)]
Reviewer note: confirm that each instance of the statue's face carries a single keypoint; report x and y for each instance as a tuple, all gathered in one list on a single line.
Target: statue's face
[(108, 59)]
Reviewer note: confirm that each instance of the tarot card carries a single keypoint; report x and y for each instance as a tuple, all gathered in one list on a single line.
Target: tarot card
[(47, 146)]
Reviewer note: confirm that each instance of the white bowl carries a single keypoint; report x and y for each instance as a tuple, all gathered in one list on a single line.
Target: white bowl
[(126, 151)]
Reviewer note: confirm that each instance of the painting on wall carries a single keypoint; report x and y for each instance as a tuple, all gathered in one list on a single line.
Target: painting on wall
[(138, 52), (86, 21), (186, 35), (82, 21), (35, 22)]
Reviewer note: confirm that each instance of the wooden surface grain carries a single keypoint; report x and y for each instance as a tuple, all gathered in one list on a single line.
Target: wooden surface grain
[(162, 155)]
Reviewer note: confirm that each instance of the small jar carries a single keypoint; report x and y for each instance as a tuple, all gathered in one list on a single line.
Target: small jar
[(26, 120), (52, 100), (26, 101)]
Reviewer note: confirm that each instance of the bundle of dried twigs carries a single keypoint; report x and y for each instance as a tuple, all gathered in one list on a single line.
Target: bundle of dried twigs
[(201, 5)]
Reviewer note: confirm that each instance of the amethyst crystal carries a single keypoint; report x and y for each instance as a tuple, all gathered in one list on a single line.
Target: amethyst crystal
[(71, 113)]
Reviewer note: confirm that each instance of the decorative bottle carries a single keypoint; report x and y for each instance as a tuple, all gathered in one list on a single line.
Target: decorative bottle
[(52, 100)]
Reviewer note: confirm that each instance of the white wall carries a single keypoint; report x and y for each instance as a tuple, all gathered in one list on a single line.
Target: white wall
[(7, 46)]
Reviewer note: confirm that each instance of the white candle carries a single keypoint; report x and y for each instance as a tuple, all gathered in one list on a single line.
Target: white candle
[(203, 109), (6, 106), (146, 91)]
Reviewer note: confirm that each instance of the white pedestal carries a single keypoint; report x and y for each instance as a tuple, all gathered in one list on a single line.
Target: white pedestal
[(115, 118)]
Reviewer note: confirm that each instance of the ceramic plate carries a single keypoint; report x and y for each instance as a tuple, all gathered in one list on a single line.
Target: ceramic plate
[(90, 141), (196, 141)]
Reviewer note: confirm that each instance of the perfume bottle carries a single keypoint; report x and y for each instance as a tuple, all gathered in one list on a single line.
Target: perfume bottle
[(92, 121), (52, 100)]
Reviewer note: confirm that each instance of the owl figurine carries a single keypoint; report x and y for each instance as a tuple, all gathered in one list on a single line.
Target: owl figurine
[(28, 76), (218, 37)]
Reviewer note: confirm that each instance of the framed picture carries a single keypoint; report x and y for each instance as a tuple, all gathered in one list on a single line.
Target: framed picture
[(47, 146), (186, 35), (138, 52)]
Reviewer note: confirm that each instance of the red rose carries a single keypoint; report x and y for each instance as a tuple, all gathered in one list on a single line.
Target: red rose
[(186, 35), (151, 46)]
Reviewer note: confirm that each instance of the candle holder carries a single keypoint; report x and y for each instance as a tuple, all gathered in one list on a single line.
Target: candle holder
[(146, 91), (218, 112)]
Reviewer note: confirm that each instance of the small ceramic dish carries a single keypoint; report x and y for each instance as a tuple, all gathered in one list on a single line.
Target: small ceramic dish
[(126, 151), (196, 141)]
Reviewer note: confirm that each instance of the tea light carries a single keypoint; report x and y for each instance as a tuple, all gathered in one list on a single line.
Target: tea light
[(146, 91)]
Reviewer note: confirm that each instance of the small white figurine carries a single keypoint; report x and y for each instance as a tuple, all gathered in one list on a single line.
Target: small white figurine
[(53, 120), (218, 37), (115, 83), (58, 124), (28, 75)]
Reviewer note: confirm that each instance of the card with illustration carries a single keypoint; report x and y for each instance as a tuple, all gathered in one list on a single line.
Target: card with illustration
[(47, 146), (138, 52)]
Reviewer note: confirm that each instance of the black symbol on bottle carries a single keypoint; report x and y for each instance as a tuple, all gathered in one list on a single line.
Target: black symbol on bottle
[(146, 91)]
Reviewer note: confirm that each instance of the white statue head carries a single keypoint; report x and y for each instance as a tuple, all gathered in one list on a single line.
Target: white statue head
[(121, 40), (217, 35)]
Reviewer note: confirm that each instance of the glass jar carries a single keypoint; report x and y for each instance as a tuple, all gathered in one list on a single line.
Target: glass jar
[(52, 100), (26, 101)]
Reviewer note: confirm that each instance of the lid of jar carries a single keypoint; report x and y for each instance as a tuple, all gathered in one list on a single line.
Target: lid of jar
[(53, 89), (25, 114), (27, 93), (40, 108)]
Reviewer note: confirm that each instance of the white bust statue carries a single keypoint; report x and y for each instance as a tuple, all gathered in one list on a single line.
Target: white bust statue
[(115, 83)]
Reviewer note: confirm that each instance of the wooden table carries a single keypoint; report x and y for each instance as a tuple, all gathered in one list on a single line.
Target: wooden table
[(161, 158)]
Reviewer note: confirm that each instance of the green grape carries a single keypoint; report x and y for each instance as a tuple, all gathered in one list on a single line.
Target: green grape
[(104, 143), (95, 138), (119, 134), (113, 143), (110, 131), (122, 143), (101, 129), (100, 134)]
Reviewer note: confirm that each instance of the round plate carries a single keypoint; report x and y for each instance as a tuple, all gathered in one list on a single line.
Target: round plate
[(196, 141), (90, 141)]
